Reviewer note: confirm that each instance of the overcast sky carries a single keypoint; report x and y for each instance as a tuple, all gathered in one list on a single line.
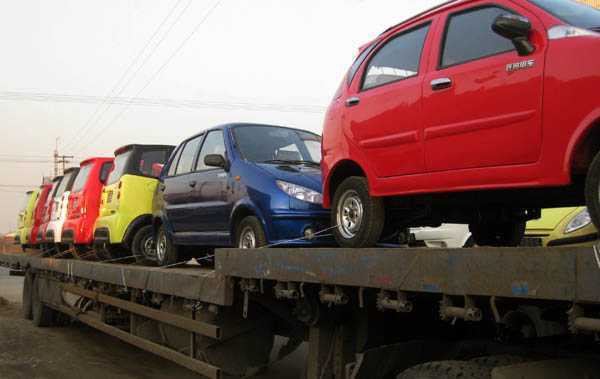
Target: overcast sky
[(187, 65)]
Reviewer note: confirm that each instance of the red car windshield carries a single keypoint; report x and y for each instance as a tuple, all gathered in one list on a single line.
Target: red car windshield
[(572, 12)]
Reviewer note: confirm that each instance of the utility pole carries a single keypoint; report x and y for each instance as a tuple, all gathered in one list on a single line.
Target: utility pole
[(60, 161)]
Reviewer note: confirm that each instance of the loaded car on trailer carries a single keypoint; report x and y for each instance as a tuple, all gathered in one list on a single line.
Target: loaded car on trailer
[(124, 224), (84, 203), (38, 215), (243, 185), (46, 215), (58, 211), (475, 112), (25, 221)]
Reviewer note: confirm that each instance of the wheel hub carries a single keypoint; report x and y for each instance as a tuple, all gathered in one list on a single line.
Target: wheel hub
[(161, 247), (247, 239), (350, 214)]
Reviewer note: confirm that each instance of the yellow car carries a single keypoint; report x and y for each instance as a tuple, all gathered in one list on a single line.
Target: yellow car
[(25, 221), (124, 224), (561, 226)]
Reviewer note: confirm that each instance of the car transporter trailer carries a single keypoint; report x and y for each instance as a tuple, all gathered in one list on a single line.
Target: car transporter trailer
[(366, 313)]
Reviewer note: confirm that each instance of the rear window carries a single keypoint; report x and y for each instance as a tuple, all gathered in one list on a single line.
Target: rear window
[(105, 171), (572, 12), (149, 158), (120, 167), (52, 192), (82, 178), (63, 184)]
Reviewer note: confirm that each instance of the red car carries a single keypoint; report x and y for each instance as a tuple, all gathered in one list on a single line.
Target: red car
[(84, 202), (38, 214), (474, 112), (46, 214)]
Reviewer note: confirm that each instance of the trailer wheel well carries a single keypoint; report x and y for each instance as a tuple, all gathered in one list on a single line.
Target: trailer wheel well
[(586, 150), (343, 170)]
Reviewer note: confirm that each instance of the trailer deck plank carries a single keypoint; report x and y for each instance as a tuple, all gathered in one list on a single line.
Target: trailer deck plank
[(565, 274), (193, 282)]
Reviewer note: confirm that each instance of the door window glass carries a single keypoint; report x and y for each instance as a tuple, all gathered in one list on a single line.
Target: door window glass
[(469, 36), (214, 144), (187, 156), (173, 164), (398, 59)]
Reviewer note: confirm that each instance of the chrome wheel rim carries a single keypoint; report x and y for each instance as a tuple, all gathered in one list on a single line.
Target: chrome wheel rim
[(247, 239), (148, 245), (161, 247), (350, 213)]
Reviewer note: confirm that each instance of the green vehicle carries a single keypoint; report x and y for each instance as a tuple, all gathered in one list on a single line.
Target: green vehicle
[(124, 224), (25, 221)]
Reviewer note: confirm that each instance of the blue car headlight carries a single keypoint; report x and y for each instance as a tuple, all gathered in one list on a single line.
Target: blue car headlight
[(581, 220), (299, 192)]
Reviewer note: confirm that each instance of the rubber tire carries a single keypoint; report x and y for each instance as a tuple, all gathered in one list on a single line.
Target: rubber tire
[(172, 254), (592, 190), (499, 360), (43, 316), (254, 223), (498, 234), (374, 214), (26, 302), (447, 370), (138, 242)]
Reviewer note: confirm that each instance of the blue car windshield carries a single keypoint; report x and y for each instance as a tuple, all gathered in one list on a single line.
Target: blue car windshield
[(572, 12), (272, 144)]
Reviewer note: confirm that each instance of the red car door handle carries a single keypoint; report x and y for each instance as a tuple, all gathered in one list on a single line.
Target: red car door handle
[(441, 83), (352, 101)]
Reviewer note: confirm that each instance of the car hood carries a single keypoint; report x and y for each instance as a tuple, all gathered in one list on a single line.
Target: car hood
[(306, 176)]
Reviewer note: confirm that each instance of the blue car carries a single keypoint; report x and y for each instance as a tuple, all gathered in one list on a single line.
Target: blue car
[(242, 185)]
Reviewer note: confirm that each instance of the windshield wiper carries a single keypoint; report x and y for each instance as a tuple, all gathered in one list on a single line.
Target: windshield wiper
[(295, 162)]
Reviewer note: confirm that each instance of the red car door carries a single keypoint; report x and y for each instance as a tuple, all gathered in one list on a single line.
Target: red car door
[(384, 115), (482, 101)]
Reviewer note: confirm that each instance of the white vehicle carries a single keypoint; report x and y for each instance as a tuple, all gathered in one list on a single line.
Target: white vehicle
[(60, 206), (445, 236)]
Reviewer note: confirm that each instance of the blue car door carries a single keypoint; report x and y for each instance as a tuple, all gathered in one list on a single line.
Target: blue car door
[(210, 197), (178, 186)]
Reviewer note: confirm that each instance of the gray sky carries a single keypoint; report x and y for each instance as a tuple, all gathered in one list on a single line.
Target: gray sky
[(209, 62)]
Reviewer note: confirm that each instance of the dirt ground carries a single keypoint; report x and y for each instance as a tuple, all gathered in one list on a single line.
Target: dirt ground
[(77, 351)]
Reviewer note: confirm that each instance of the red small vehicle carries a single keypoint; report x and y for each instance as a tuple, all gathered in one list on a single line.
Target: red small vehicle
[(84, 202), (477, 111), (38, 214), (46, 214)]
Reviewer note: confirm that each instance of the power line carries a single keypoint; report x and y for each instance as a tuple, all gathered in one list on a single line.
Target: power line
[(166, 102), (161, 68), (146, 59)]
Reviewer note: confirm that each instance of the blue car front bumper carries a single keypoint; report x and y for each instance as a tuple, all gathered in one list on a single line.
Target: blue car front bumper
[(290, 227)]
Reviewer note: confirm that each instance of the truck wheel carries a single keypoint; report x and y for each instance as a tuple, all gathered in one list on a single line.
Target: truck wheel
[(42, 315), (592, 191), (499, 360), (497, 233), (249, 234), (358, 217), (26, 299), (143, 246), (167, 253), (447, 370)]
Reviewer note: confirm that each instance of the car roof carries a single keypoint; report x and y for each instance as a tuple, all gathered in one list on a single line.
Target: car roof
[(90, 160), (242, 124), (428, 13), (125, 148)]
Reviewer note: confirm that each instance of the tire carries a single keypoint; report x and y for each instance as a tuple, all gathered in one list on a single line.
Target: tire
[(26, 303), (43, 316), (592, 190), (249, 234), (499, 360), (497, 233), (167, 253), (447, 370), (359, 217), (142, 246)]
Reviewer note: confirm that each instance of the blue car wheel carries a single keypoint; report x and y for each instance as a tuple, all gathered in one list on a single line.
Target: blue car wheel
[(250, 234)]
